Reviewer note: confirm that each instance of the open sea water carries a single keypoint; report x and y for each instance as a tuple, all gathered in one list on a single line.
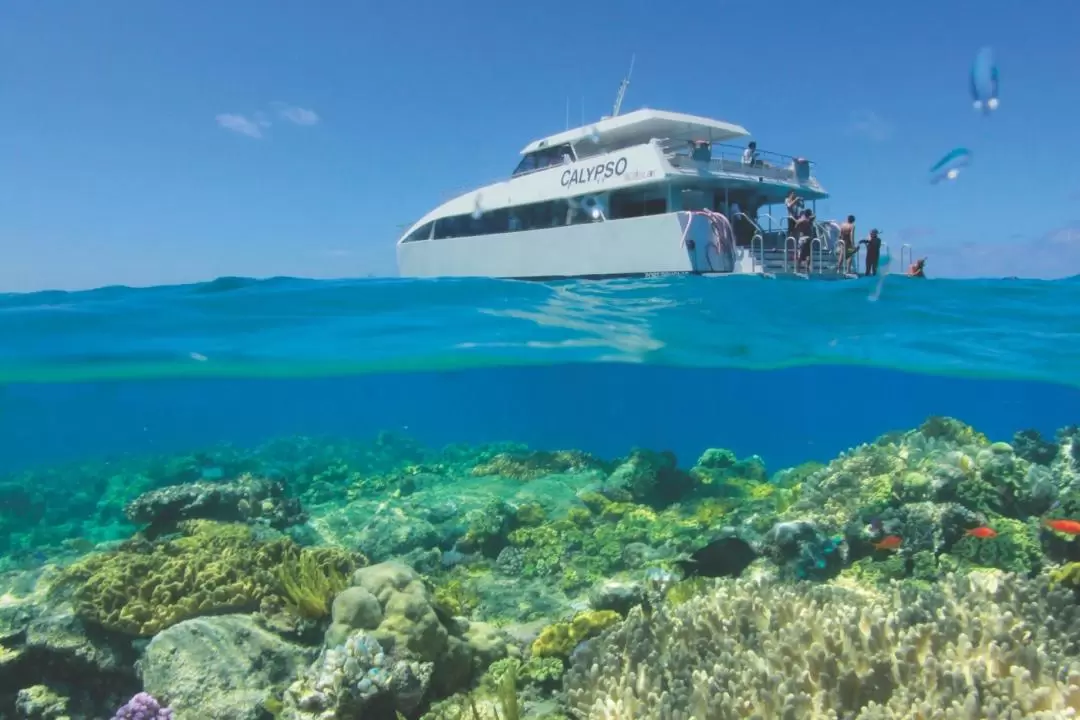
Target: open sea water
[(353, 398)]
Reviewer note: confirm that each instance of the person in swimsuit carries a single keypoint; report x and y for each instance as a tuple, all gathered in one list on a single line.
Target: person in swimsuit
[(918, 268), (845, 250), (794, 205), (804, 236)]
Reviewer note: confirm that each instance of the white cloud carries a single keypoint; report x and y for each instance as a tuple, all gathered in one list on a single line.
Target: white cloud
[(297, 115), (241, 124), (870, 125)]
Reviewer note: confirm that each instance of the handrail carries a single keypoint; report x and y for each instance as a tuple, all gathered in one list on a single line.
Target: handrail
[(911, 256), (679, 146), (810, 260), (822, 228), (795, 250), (749, 220), (761, 244), (772, 220)]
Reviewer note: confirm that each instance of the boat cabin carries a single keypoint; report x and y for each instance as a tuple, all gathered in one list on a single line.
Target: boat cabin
[(701, 169)]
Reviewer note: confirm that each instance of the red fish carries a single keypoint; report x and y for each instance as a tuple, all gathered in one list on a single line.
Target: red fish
[(1069, 527), (983, 532), (889, 542)]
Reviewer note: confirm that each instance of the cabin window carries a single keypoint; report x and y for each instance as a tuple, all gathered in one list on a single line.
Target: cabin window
[(421, 233), (636, 202), (545, 158), (537, 216)]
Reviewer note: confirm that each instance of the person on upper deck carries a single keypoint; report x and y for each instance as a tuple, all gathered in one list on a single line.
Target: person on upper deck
[(750, 155), (873, 251), (845, 249)]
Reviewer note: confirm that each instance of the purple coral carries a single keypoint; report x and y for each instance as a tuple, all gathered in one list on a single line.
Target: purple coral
[(143, 707)]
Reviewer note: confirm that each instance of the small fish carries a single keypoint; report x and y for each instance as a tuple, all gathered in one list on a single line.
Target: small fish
[(1069, 527), (983, 532), (726, 557), (889, 542)]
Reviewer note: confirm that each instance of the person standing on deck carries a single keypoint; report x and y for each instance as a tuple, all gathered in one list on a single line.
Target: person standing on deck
[(794, 205), (873, 251), (845, 249)]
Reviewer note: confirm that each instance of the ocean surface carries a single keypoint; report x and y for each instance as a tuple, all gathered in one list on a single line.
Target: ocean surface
[(1017, 329)]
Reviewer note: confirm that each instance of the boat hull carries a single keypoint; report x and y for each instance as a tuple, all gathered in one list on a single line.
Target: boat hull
[(654, 244)]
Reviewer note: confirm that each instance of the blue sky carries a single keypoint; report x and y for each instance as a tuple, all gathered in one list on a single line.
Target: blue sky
[(163, 142)]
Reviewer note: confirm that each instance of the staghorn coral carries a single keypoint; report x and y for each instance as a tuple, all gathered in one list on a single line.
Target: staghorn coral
[(978, 646)]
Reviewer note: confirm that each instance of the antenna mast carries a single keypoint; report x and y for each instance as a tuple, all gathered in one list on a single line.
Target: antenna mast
[(622, 88)]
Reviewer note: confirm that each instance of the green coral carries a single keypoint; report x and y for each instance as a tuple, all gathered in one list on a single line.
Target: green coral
[(1067, 575), (455, 594), (525, 466), (953, 431), (685, 590), (1015, 549), (876, 570)]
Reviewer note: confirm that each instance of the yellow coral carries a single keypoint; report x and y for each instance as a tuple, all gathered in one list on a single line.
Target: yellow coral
[(144, 588), (309, 581), (560, 639)]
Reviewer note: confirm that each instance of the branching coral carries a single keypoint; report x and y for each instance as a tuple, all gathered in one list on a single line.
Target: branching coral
[(983, 645)]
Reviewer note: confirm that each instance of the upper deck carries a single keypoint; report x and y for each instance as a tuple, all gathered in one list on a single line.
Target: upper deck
[(676, 135)]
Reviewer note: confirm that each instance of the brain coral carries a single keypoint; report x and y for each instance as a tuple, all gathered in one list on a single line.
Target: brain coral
[(981, 646)]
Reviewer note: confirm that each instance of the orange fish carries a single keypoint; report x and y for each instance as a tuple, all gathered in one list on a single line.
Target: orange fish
[(982, 532), (889, 542), (1069, 527)]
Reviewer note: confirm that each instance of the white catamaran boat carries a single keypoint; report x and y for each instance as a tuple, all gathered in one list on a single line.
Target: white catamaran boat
[(648, 192)]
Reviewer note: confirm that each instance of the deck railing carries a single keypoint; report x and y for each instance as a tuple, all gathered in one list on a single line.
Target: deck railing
[(727, 159), (758, 235)]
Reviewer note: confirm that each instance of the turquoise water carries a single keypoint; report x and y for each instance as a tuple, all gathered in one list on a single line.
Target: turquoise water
[(285, 327), (294, 499)]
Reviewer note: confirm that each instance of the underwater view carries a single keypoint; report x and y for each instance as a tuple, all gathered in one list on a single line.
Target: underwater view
[(485, 499)]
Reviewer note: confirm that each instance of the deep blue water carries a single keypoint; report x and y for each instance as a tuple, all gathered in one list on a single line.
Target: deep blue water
[(789, 370)]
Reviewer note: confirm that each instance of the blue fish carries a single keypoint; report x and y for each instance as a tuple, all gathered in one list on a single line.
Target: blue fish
[(949, 167), (984, 81)]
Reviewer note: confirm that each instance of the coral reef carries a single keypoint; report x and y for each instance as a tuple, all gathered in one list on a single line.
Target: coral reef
[(246, 499), (976, 646), (915, 571)]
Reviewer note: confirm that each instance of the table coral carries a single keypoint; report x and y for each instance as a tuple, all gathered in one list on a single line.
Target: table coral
[(982, 645)]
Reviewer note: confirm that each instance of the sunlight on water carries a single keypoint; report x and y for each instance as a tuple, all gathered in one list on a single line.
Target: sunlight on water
[(984, 81), (949, 167)]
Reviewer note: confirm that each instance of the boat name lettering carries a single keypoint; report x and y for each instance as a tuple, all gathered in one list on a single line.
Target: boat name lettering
[(593, 173)]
